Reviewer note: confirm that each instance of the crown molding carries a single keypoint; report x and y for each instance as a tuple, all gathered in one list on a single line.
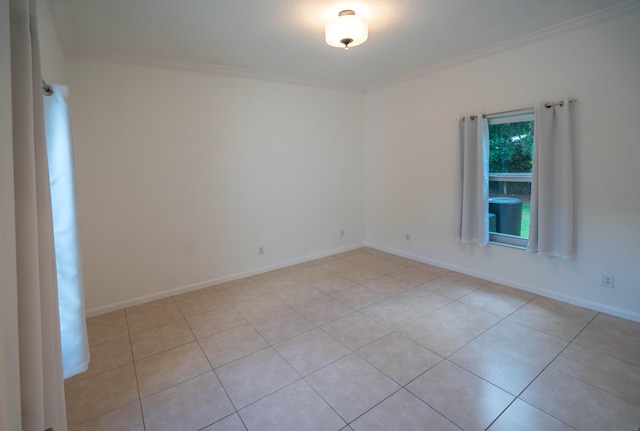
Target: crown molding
[(545, 33), (120, 56), (63, 25)]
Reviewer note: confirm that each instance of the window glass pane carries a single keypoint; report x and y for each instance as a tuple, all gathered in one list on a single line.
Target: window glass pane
[(510, 164), (511, 147), (509, 207)]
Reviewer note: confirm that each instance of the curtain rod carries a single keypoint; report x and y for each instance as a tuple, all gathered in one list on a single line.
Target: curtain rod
[(546, 105), (47, 90)]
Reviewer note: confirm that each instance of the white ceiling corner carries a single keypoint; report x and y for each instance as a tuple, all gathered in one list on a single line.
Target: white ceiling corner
[(283, 40)]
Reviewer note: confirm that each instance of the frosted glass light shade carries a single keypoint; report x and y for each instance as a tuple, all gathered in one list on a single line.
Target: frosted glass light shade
[(346, 30)]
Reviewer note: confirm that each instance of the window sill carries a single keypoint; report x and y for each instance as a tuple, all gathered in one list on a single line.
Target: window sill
[(508, 240)]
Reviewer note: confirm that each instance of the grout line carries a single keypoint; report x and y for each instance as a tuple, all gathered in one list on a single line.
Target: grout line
[(340, 273)]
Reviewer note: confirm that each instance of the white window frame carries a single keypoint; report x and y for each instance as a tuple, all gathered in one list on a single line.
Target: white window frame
[(525, 177)]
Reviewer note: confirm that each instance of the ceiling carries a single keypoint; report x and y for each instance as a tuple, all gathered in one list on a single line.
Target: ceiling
[(284, 39)]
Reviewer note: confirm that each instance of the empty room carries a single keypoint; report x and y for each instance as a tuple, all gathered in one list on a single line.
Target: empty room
[(319, 215)]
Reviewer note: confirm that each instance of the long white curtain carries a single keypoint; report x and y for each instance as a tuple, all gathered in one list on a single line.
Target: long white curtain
[(73, 329), (474, 212), (551, 231), (41, 388)]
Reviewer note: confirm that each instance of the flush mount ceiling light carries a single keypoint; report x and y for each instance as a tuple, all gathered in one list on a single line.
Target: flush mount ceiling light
[(346, 30)]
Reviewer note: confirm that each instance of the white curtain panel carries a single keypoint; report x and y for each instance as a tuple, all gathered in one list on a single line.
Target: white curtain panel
[(474, 148), (73, 328), (551, 231), (41, 388)]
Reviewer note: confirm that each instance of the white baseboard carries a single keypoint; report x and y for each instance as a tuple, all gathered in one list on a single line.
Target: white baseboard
[(624, 314), (206, 283)]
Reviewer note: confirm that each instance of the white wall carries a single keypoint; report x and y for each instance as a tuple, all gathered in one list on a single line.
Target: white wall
[(412, 161), (182, 176), (52, 59)]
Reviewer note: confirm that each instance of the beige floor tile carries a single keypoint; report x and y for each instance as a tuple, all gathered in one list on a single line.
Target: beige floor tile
[(466, 317), (279, 285), (127, 418), (243, 292), (282, 325), (202, 303), (334, 266), (159, 339), (605, 372), (360, 274), (256, 309), (296, 407), (299, 294), (525, 340), (388, 266), (355, 330), (469, 280), (351, 386), (627, 327), (611, 342), (398, 357), (101, 330), (580, 404), (230, 423), (566, 309), (195, 293), (436, 271), (358, 297), (465, 399), (149, 305), (437, 336), (523, 417), (158, 372), (305, 272), (505, 367), (323, 310), (422, 299), (227, 346), (152, 317), (413, 275), (493, 302), (449, 288), (510, 291), (105, 357), (549, 321), (403, 411), (191, 405), (392, 314), (378, 253), (398, 259), (388, 286), (310, 351), (360, 259), (331, 283), (106, 316), (256, 376), (95, 396), (436, 313), (214, 321)]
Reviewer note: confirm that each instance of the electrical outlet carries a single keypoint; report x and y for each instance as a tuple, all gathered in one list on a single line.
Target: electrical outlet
[(261, 250), (407, 237), (607, 280), (341, 233)]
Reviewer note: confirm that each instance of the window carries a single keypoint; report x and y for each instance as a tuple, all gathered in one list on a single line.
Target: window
[(510, 165)]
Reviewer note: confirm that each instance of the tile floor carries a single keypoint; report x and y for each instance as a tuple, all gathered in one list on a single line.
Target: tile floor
[(362, 340)]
